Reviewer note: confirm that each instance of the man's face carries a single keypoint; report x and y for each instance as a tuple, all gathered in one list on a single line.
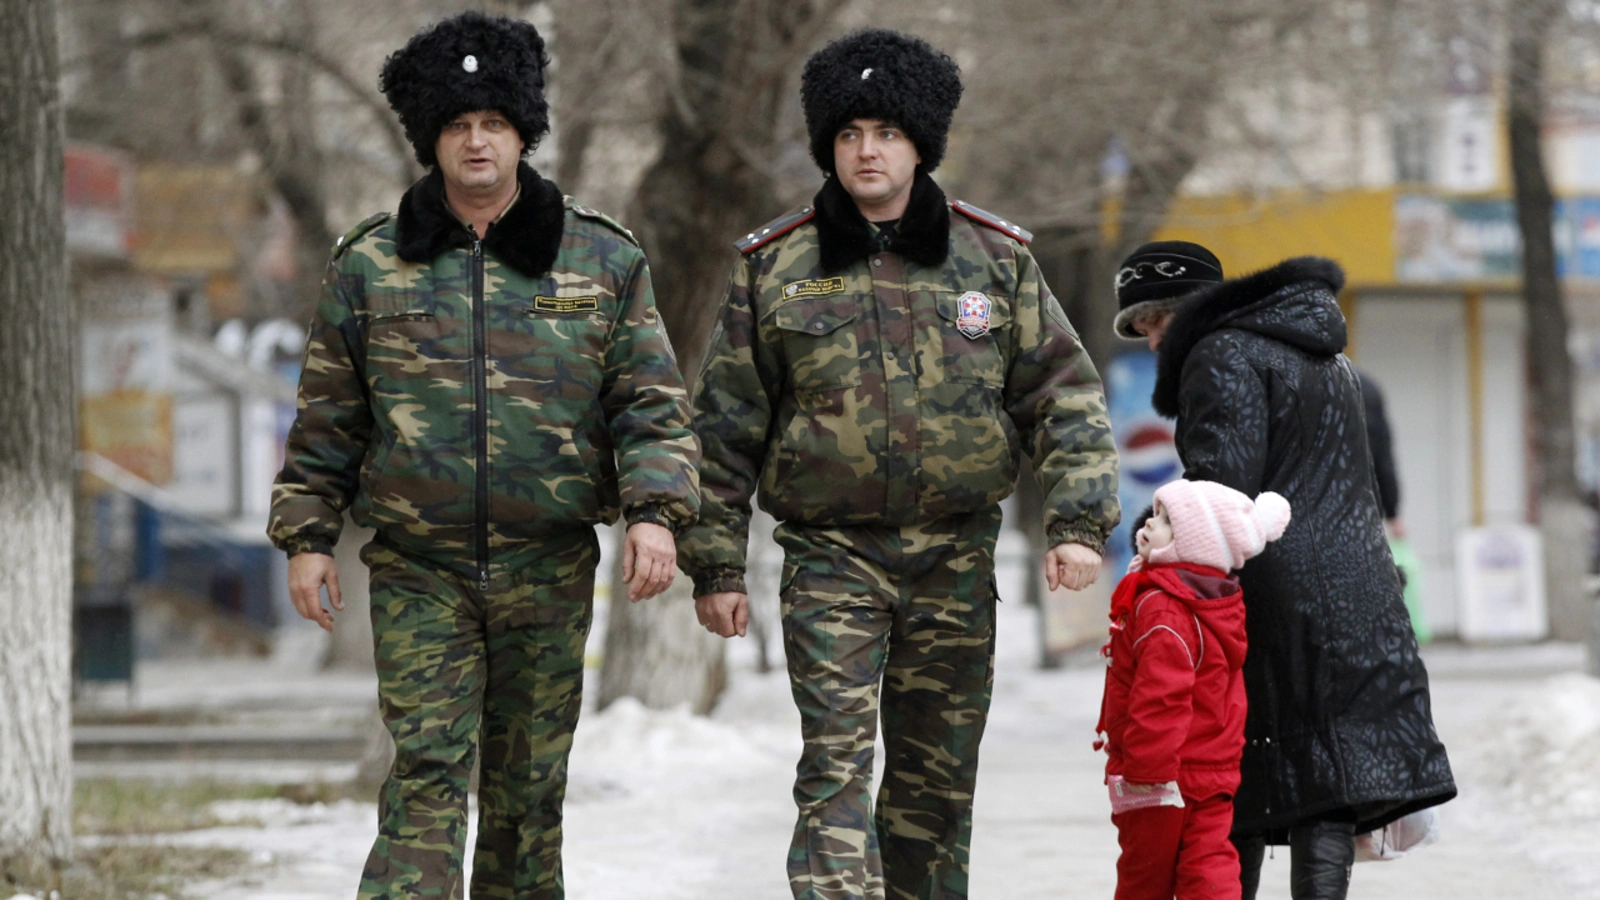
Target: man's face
[(1153, 327), (478, 152), (1156, 533), (875, 162)]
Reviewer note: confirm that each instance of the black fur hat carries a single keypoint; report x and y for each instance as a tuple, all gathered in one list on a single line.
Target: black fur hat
[(465, 64), (880, 74)]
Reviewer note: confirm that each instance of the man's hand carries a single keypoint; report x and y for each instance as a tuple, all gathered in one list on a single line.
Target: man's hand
[(308, 572), (1072, 566), (726, 614), (649, 560)]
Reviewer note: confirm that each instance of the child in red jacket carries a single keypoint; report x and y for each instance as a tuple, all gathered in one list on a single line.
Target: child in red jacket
[(1172, 717)]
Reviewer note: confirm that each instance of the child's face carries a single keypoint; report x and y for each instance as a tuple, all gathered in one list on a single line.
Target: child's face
[(1156, 533)]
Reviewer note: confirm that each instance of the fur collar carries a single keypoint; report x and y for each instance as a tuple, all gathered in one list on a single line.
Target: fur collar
[(922, 235), (1293, 302), (527, 238)]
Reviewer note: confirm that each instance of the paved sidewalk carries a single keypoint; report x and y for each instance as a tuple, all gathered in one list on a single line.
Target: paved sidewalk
[(664, 805)]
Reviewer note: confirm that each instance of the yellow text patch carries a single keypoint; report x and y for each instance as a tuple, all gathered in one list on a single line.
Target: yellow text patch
[(566, 304), (813, 288)]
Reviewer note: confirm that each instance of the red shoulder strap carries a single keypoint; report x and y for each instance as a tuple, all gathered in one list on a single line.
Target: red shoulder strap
[(775, 229), (1016, 232)]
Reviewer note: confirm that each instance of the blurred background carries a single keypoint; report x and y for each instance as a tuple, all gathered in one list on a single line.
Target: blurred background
[(1445, 152)]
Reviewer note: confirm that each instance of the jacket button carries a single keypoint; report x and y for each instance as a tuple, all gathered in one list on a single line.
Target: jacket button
[(889, 356), (877, 262), (819, 326)]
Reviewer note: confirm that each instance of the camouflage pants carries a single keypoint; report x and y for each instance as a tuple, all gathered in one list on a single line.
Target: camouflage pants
[(912, 608), (460, 668)]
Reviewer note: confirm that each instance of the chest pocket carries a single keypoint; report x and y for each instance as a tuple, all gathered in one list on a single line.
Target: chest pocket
[(399, 341), (976, 359), (820, 342)]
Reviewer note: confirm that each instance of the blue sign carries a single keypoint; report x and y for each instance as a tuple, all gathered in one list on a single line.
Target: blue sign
[(1149, 458)]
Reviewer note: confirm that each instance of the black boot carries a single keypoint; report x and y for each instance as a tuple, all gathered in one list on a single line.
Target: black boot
[(1320, 856), (1252, 849)]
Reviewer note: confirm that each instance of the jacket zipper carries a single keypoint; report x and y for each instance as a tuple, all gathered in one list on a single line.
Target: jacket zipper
[(480, 413)]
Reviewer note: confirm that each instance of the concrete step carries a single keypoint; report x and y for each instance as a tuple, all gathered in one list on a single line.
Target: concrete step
[(144, 743)]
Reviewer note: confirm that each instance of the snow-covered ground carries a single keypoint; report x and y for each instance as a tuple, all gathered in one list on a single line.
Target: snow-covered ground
[(664, 805)]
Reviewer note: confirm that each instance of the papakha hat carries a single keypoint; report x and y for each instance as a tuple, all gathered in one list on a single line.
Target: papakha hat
[(880, 74), (468, 63)]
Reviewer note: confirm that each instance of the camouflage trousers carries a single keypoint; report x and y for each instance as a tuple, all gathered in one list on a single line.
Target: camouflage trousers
[(461, 669), (913, 609)]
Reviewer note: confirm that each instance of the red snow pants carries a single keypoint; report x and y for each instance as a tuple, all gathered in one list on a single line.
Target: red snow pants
[(1169, 852)]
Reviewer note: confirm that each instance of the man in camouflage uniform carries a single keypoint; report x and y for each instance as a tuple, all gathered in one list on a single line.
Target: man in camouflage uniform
[(882, 360), (485, 380)]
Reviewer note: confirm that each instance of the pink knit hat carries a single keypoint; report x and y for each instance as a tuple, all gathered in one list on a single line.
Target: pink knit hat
[(1215, 525)]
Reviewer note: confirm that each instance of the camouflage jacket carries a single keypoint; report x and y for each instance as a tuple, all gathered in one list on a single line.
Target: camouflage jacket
[(465, 398), (859, 376)]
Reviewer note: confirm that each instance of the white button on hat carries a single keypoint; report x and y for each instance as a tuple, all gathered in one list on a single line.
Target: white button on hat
[(470, 63)]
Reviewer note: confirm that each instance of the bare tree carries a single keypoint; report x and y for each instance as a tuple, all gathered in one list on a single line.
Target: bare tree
[(36, 444), (1562, 513), (712, 181), (276, 88)]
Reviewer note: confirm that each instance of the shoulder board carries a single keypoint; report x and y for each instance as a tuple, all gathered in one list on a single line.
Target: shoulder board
[(775, 229), (589, 212), (355, 234), (993, 221)]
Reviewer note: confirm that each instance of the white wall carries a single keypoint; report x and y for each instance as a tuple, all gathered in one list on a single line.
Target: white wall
[(1416, 348)]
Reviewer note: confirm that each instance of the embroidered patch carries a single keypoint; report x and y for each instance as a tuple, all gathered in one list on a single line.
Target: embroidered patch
[(972, 314), (816, 287), (566, 304)]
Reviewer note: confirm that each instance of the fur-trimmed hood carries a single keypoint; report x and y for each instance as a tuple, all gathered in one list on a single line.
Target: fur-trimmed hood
[(1293, 302), (527, 237), (922, 235)]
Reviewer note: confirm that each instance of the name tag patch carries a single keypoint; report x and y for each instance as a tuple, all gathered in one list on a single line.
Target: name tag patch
[(813, 288), (972, 314), (566, 304)]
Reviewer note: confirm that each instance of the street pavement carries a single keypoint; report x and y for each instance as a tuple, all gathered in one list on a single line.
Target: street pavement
[(664, 805)]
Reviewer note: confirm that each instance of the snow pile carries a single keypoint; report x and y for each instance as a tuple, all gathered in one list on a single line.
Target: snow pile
[(1547, 751), (629, 737), (278, 812)]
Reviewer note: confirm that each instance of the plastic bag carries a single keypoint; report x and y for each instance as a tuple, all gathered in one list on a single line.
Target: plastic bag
[(1127, 796), (1404, 835), (1406, 559)]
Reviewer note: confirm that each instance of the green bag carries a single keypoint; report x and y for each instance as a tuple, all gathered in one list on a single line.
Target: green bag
[(1412, 568)]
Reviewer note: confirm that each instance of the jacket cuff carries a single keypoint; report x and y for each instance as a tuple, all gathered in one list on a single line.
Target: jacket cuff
[(719, 581), (656, 514), (1065, 532), (296, 546)]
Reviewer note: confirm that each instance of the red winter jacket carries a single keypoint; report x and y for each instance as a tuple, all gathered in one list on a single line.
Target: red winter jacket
[(1174, 703)]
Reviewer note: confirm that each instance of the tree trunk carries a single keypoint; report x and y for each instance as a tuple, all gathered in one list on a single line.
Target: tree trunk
[(708, 186), (289, 152), (1562, 519), (656, 650), (36, 446)]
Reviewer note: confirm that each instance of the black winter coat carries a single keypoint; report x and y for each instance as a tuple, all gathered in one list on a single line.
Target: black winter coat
[(1340, 720)]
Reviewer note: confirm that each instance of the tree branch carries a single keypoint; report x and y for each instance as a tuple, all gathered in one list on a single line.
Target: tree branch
[(409, 170)]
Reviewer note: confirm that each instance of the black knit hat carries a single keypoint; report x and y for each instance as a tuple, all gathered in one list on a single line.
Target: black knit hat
[(464, 64), (1157, 277), (879, 74)]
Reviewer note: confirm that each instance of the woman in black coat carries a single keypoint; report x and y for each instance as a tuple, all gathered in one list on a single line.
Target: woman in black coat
[(1339, 739)]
